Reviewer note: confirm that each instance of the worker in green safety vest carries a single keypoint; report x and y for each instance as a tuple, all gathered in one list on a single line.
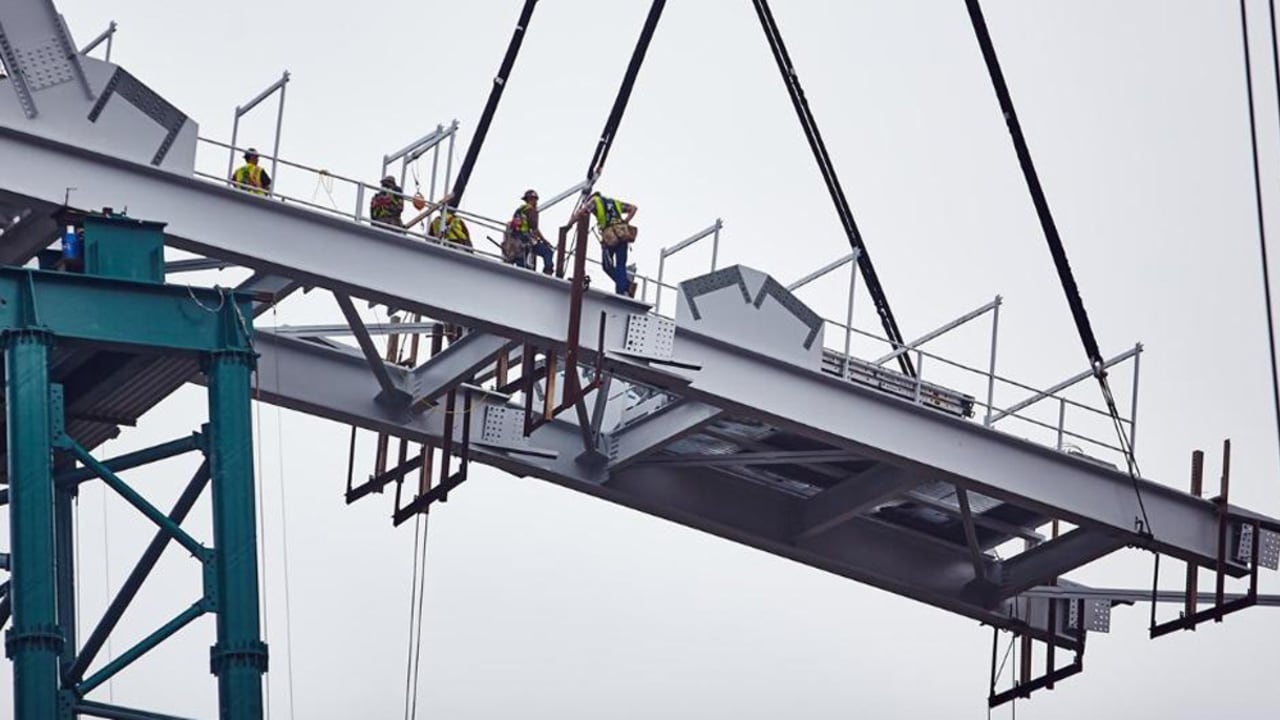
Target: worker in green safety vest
[(524, 241), (613, 217), (250, 177), (455, 230)]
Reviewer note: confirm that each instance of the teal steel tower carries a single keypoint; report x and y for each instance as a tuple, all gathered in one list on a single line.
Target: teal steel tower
[(119, 307)]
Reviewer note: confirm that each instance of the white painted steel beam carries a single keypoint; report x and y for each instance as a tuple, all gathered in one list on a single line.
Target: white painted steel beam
[(651, 434), (473, 291), (457, 364), (336, 384)]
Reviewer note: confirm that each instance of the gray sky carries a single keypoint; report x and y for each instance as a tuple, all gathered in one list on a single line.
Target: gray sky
[(542, 603)]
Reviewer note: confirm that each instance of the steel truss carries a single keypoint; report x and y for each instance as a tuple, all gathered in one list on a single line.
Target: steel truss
[(822, 470), (43, 317)]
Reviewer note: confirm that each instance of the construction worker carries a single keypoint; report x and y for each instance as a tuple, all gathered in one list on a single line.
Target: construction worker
[(387, 206), (524, 230), (455, 230), (250, 177), (613, 217)]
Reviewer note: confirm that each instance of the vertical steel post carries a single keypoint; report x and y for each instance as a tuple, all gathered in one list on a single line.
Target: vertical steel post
[(1223, 530), (657, 300), (240, 657), (231, 157), (34, 643), (275, 150), (1133, 409), (715, 244), (991, 369), (1062, 419), (1193, 571), (848, 315)]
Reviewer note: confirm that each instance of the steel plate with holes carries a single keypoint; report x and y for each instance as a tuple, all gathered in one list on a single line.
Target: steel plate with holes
[(650, 335), (1269, 551), (502, 426)]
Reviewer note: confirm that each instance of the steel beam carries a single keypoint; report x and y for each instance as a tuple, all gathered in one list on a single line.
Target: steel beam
[(652, 433), (475, 292), (35, 642), (853, 497), (83, 307), (116, 712), (75, 476), (336, 385), (239, 658), (1118, 596), (746, 383), (314, 248), (1041, 564), (391, 392), (129, 588), (970, 534), (768, 457), (457, 364)]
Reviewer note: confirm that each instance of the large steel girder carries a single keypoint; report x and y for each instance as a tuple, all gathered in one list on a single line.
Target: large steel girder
[(336, 384), (473, 291)]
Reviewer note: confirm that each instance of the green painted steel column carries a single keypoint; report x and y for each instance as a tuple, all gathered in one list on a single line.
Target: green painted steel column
[(240, 657), (34, 643), (64, 545)]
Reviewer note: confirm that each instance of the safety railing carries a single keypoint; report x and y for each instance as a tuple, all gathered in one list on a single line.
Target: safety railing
[(1064, 428)]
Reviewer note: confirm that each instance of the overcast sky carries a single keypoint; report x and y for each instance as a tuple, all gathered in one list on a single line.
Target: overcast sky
[(542, 603)]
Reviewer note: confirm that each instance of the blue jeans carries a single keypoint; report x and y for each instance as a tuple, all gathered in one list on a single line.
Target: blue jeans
[(539, 250), (615, 264)]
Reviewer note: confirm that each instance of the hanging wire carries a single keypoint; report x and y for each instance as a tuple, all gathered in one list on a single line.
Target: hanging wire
[(413, 594), (1257, 190), (422, 582), (284, 530), (324, 181), (262, 534), (1056, 249)]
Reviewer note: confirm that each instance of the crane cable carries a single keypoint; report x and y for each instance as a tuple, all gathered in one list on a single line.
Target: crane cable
[(810, 126), (1056, 249), (1257, 191), (491, 105), (596, 166)]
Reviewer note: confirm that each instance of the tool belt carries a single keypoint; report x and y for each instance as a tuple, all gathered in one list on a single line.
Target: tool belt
[(618, 232)]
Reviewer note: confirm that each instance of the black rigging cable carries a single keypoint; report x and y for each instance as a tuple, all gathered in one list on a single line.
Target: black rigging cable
[(1257, 188), (825, 166), (1056, 249), (491, 106), (624, 92)]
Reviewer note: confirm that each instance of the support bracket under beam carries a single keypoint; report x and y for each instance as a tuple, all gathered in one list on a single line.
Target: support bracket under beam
[(391, 393)]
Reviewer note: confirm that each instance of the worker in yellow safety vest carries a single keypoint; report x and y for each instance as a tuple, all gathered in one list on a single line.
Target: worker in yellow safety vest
[(250, 177), (455, 230), (524, 242), (613, 217)]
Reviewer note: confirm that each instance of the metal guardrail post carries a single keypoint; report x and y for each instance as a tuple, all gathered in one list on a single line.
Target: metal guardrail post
[(919, 375), (715, 244), (1062, 419), (991, 370), (242, 110), (667, 252), (848, 315), (1133, 408)]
